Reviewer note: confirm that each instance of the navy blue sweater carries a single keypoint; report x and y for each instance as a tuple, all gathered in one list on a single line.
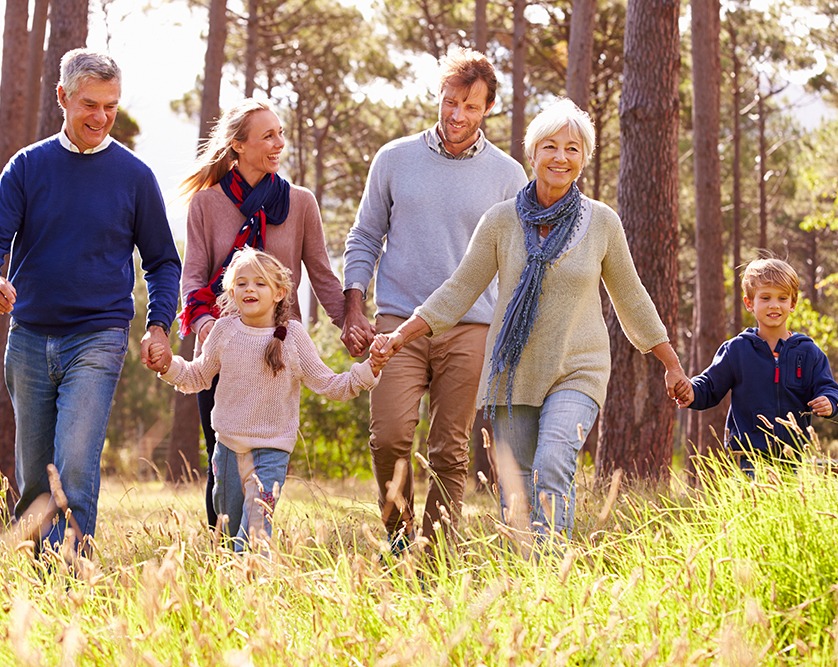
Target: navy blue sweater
[(762, 385), (71, 222)]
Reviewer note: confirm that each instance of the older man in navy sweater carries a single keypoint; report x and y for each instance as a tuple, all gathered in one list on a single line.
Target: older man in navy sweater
[(72, 209)]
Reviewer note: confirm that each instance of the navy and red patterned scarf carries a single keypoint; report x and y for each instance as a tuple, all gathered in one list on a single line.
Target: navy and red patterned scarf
[(265, 204)]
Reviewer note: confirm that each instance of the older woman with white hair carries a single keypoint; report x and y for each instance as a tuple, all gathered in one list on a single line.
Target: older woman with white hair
[(547, 356)]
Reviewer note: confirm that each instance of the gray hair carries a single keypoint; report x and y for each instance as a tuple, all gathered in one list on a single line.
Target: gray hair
[(80, 64), (563, 112)]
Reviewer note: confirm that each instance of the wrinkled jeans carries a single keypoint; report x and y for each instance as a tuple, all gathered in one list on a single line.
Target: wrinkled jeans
[(62, 388), (244, 489), (537, 450)]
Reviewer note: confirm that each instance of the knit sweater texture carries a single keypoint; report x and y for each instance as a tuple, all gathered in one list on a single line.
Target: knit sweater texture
[(760, 384), (71, 221), (211, 226), (253, 407), (417, 215), (568, 347)]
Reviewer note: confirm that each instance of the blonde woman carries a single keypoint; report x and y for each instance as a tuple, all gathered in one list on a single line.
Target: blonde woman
[(236, 198)]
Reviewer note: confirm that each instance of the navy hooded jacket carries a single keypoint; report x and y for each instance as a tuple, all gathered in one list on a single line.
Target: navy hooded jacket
[(761, 384)]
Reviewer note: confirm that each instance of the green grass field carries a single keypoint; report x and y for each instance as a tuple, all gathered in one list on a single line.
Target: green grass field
[(738, 574)]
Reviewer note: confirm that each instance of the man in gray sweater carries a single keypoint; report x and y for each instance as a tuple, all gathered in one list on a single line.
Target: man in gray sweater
[(423, 198)]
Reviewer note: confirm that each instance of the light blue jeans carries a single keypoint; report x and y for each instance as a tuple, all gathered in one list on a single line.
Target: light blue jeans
[(537, 450), (244, 489), (62, 388)]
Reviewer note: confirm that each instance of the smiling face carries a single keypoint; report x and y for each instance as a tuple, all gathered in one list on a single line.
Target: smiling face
[(259, 153), (255, 297), (461, 111), (90, 112), (771, 307), (557, 163)]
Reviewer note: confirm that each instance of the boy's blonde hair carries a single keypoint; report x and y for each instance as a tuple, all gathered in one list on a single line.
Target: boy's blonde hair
[(770, 272), (278, 278)]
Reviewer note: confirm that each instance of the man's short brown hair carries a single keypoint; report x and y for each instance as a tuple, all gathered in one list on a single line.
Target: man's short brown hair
[(461, 67)]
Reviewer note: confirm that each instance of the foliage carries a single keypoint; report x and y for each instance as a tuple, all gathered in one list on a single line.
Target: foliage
[(333, 440), (125, 128), (739, 573), (141, 412)]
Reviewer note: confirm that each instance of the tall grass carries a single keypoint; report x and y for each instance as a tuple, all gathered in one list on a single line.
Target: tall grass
[(736, 573)]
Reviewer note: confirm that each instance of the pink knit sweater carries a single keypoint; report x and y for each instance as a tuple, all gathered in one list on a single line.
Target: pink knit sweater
[(253, 407)]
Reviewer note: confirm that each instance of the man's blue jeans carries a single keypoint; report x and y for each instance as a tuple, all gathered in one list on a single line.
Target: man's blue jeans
[(237, 492), (537, 450), (62, 388)]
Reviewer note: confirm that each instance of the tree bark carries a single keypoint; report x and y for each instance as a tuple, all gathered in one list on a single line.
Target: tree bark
[(637, 419), (737, 180), (579, 58), (34, 68), (519, 100), (481, 26), (580, 51), (213, 64), (252, 48), (709, 288), (13, 79), (67, 30)]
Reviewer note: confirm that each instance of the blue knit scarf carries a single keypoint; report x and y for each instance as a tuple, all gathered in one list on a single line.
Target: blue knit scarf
[(522, 310)]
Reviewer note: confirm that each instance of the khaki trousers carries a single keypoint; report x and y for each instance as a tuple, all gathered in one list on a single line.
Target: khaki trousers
[(448, 367)]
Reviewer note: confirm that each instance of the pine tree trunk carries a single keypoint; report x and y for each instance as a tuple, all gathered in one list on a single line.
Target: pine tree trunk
[(67, 30), (519, 101), (34, 68), (638, 417), (252, 48), (579, 52), (710, 327), (13, 79), (213, 64)]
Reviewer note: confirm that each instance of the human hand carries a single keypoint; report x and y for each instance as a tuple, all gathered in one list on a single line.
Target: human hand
[(684, 394), (821, 406), (390, 344), (8, 295), (678, 385), (204, 331), (157, 337), (358, 332), (156, 351), (377, 358)]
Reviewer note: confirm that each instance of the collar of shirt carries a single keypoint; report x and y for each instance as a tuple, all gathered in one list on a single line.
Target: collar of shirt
[(70, 146), (435, 144)]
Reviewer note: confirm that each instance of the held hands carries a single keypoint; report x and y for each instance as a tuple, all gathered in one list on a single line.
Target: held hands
[(8, 295), (157, 339), (679, 387), (358, 332), (821, 406), (383, 348)]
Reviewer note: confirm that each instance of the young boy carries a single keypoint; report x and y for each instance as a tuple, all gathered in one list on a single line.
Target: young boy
[(769, 371)]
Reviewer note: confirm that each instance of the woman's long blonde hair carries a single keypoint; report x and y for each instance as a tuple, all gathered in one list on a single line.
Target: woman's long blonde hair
[(217, 156), (278, 278)]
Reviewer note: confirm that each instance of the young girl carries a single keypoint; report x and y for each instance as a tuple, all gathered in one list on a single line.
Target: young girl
[(261, 356)]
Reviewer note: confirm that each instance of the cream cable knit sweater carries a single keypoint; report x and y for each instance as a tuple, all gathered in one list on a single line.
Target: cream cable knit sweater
[(253, 408), (568, 347)]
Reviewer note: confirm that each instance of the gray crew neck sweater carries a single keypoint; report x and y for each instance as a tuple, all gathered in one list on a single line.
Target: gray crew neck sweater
[(417, 215)]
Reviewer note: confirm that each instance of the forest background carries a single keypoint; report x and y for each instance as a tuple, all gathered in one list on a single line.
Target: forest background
[(705, 148)]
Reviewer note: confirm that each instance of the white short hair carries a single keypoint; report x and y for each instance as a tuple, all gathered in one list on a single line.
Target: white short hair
[(563, 112)]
